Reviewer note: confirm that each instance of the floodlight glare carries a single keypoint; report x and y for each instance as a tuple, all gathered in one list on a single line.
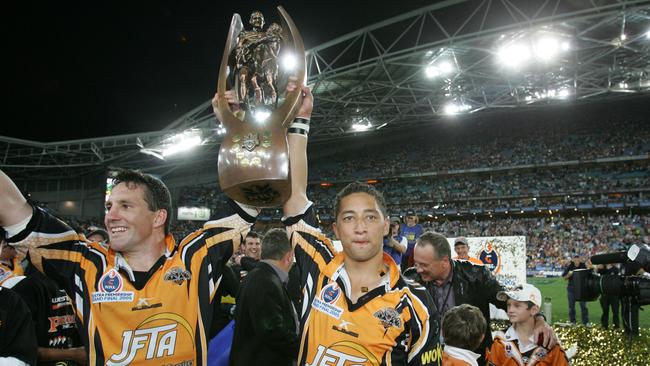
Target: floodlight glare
[(453, 108), (623, 36), (563, 93), (647, 34), (262, 115), (514, 54), (546, 48), (446, 67), (431, 71), (289, 62), (566, 46), (361, 126), (181, 142)]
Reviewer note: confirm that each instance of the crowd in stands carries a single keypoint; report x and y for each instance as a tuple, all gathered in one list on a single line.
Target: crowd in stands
[(494, 144), (420, 179)]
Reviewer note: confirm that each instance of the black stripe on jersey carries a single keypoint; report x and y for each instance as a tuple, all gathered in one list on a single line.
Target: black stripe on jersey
[(238, 210), (190, 248), (318, 244), (197, 344), (398, 355), (99, 350)]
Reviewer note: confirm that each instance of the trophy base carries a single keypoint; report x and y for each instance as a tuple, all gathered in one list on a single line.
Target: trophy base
[(260, 193)]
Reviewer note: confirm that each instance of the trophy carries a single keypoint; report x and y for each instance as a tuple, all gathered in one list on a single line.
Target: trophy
[(256, 65)]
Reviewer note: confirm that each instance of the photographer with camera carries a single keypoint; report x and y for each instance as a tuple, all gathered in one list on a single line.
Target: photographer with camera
[(575, 264)]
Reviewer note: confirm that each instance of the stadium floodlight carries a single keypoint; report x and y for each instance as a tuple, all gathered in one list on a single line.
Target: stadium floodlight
[(563, 93), (453, 108), (623, 36), (446, 67), (647, 34), (361, 124), (431, 71), (546, 48), (262, 115), (221, 130), (514, 54), (566, 45), (289, 62), (181, 142)]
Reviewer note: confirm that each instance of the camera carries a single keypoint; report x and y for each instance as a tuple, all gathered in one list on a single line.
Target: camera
[(632, 289), (587, 285)]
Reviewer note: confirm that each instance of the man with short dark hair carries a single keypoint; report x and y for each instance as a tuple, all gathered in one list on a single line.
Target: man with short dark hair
[(356, 307), (140, 298), (251, 249), (453, 283), (266, 323)]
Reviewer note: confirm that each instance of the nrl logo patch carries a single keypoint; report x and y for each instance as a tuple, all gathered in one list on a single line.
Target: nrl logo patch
[(251, 141), (388, 317), (177, 275)]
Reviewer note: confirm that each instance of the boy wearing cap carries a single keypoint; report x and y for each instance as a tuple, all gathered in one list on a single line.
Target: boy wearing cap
[(518, 346), (463, 329)]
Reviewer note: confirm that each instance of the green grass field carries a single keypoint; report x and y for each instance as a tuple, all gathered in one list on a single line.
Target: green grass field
[(555, 288)]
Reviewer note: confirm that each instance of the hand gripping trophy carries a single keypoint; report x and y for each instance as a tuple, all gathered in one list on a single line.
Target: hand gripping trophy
[(253, 156)]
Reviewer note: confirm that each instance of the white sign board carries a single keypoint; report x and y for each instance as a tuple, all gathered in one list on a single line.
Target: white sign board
[(194, 213)]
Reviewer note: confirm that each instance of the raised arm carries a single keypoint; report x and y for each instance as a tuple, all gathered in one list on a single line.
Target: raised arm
[(13, 206), (297, 140)]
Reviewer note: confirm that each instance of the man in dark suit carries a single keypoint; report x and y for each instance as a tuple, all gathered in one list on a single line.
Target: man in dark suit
[(451, 283), (265, 320)]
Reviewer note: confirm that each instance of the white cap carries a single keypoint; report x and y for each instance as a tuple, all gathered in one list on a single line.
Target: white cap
[(523, 292)]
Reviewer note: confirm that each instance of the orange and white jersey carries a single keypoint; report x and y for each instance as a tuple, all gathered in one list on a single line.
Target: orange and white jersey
[(389, 325), (160, 318), (506, 350)]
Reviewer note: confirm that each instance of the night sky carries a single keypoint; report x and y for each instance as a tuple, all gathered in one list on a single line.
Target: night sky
[(76, 70)]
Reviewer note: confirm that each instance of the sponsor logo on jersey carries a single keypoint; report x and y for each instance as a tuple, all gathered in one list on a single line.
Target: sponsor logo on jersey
[(344, 353), (388, 317), (177, 275), (143, 303), (343, 328), (326, 300), (432, 356), (63, 321), (490, 257), (110, 289), (155, 338)]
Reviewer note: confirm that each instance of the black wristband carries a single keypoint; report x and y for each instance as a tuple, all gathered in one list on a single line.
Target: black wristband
[(299, 126)]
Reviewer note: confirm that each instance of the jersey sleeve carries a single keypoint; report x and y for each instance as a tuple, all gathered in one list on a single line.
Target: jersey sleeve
[(424, 328), (56, 250)]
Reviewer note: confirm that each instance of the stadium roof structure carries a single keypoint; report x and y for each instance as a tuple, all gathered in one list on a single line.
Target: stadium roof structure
[(452, 57)]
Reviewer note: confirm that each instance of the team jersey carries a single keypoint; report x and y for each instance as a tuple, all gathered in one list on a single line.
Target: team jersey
[(163, 320), (53, 315), (389, 325), (506, 351)]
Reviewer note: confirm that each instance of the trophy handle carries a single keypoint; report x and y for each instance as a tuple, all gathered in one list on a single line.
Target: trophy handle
[(292, 101), (223, 111)]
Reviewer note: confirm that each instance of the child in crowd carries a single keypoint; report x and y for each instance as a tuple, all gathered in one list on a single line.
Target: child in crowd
[(463, 329), (517, 346)]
